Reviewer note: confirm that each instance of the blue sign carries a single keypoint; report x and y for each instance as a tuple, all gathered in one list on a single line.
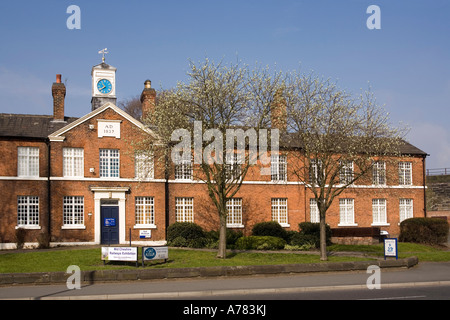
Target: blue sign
[(149, 253), (110, 222)]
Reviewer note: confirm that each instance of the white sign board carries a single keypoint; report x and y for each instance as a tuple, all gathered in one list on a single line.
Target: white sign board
[(109, 128), (145, 234), (390, 247), (155, 253), (119, 253)]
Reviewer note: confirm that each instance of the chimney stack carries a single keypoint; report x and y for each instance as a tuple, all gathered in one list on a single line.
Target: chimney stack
[(279, 112), (59, 94), (148, 98)]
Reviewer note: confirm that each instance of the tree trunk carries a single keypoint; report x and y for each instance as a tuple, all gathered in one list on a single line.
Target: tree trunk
[(222, 252), (323, 239)]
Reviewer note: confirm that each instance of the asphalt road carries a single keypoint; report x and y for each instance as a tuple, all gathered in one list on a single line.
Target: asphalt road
[(345, 285)]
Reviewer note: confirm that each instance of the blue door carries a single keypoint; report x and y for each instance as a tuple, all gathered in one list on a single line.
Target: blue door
[(110, 225)]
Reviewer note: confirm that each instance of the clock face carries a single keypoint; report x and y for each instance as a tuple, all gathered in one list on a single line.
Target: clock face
[(104, 86)]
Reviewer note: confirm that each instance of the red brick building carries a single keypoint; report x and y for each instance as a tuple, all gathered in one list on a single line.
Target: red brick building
[(82, 181)]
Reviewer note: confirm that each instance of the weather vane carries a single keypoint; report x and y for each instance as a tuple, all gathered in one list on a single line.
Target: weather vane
[(103, 52)]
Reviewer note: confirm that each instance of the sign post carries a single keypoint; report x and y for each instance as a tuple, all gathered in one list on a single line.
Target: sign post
[(390, 248)]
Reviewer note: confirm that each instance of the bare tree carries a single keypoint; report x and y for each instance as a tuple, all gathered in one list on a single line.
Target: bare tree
[(341, 139), (132, 106), (219, 108)]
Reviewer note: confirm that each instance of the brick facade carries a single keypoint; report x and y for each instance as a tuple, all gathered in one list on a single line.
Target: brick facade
[(259, 196)]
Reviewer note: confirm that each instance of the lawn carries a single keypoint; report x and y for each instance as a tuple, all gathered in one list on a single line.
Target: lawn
[(405, 249), (89, 259)]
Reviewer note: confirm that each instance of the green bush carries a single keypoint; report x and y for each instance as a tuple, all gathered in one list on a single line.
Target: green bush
[(20, 237), (424, 230), (232, 237), (269, 228), (260, 243), (187, 230), (309, 235), (186, 234)]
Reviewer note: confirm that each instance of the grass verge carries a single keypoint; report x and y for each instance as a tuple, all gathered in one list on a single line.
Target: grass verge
[(89, 259)]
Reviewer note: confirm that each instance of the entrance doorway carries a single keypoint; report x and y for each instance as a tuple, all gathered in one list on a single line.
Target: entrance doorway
[(109, 224)]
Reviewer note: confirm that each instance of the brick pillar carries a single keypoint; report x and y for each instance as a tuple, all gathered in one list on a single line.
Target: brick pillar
[(59, 94), (148, 98), (279, 112)]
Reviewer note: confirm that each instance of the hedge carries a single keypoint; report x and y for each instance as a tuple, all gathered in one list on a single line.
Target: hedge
[(269, 228), (424, 230), (310, 234), (260, 243)]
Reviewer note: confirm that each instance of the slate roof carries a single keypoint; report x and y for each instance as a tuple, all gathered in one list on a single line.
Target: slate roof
[(288, 141), (30, 126), (41, 126)]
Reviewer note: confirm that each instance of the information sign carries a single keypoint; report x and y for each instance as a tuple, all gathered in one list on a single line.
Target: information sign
[(110, 222), (119, 253), (390, 248), (145, 234), (155, 253)]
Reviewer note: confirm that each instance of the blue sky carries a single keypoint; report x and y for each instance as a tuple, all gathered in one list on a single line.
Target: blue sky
[(406, 62)]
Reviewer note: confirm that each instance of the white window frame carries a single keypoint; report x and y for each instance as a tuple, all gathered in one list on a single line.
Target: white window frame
[(184, 209), (278, 167), (406, 209), (234, 216), (405, 173), (233, 167), (346, 172), (143, 166), (73, 162), (347, 212), (107, 158), (184, 170), (379, 173), (28, 162), (379, 212), (144, 212), (314, 166), (73, 212), (314, 211), (280, 211), (28, 212)]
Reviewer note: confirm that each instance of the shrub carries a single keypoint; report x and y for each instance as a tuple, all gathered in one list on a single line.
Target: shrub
[(186, 234), (232, 237), (20, 238), (186, 230), (43, 240), (424, 230), (310, 235), (269, 228), (260, 243)]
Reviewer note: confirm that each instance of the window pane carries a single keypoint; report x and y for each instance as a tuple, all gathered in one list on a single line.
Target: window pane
[(145, 210)]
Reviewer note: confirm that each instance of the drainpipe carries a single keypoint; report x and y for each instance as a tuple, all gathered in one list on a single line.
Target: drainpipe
[(47, 142), (424, 187)]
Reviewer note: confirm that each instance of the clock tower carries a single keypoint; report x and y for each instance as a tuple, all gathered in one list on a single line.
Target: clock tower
[(103, 84)]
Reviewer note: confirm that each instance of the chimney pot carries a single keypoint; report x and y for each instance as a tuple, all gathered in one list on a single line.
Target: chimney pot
[(148, 98), (59, 94)]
